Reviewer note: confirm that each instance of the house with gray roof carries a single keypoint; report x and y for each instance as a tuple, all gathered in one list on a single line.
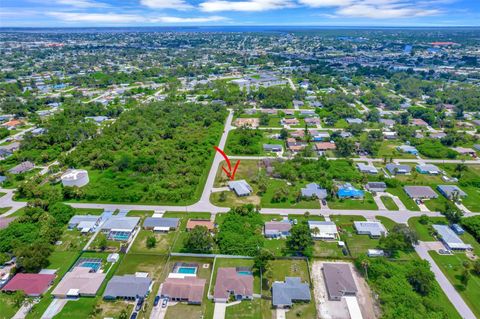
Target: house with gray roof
[(241, 188), (314, 190), (82, 222), (399, 169), (120, 228), (161, 224), (420, 192), (449, 190), (367, 169), (284, 294), (272, 148), (127, 287), (429, 169), (22, 168), (376, 186), (370, 228), (451, 240), (339, 280), (277, 229)]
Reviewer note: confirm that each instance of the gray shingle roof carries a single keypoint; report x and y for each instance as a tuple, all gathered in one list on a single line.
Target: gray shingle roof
[(161, 222), (448, 190), (339, 280), (284, 293), (420, 192), (127, 286), (313, 189), (124, 223), (241, 187)]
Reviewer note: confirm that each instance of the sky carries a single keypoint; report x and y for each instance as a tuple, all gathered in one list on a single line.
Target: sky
[(88, 13)]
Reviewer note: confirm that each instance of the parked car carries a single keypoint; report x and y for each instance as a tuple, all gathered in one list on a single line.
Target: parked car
[(164, 302), (139, 304), (133, 316), (156, 301)]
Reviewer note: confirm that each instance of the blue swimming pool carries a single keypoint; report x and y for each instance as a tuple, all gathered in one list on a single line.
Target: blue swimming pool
[(94, 265), (244, 273), (187, 270)]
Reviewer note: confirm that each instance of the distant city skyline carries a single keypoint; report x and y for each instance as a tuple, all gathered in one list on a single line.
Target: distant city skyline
[(90, 13)]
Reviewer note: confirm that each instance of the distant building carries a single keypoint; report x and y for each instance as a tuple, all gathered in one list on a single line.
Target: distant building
[(398, 169), (375, 253), (429, 169), (367, 169), (376, 186), (449, 191), (192, 223), (22, 168), (273, 148), (119, 228), (284, 294), (161, 224), (354, 121), (75, 177), (407, 149)]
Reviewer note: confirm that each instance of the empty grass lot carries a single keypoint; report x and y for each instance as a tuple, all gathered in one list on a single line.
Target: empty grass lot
[(181, 234), (424, 232), (452, 267), (367, 203), (389, 203), (407, 201)]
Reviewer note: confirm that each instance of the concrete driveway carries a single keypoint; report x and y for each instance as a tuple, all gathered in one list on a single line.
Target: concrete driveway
[(220, 309), (281, 313)]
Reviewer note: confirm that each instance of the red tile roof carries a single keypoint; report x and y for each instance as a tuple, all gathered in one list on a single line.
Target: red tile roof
[(192, 223), (31, 284)]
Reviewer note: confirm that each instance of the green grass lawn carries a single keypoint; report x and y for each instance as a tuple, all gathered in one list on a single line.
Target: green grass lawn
[(152, 264), (327, 249), (472, 201), (72, 240), (423, 231), (164, 242), (7, 306), (3, 210), (389, 203), (177, 242), (452, 267), (367, 203), (78, 309), (88, 211), (184, 311), (387, 222), (245, 310), (407, 201)]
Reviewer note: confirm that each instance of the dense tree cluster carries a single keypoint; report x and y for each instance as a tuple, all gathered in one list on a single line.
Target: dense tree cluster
[(157, 152), (472, 225)]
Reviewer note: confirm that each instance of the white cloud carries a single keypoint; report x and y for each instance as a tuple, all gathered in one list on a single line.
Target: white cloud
[(379, 9), (82, 3), (117, 18), (251, 5), (166, 4)]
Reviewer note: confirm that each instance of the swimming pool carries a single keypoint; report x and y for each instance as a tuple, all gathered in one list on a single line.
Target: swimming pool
[(187, 270), (244, 273), (93, 265)]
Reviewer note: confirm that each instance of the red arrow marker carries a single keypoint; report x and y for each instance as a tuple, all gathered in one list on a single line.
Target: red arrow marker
[(230, 173)]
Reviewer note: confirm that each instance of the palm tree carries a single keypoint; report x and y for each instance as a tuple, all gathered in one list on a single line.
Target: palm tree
[(365, 265)]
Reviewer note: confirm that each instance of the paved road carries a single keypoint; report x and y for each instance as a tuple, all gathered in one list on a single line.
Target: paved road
[(7, 201), (447, 287)]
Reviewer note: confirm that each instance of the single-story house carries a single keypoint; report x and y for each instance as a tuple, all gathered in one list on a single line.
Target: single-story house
[(192, 223), (323, 230), (22, 168), (450, 239), (241, 188), (428, 169), (32, 285), (120, 228), (370, 228), (161, 224), (84, 223), (438, 135), (80, 281), (419, 122), (325, 146), (348, 191), (312, 121), (128, 287), (354, 121), (189, 289), (276, 229), (314, 190), (449, 190), (420, 192), (376, 186), (390, 135), (339, 280), (288, 121), (367, 169), (397, 169), (272, 148), (407, 149), (284, 294), (235, 282), (465, 151)]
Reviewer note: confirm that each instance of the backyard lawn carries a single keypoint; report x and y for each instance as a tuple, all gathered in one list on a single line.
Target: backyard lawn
[(407, 201), (367, 203), (163, 242), (152, 264), (245, 310)]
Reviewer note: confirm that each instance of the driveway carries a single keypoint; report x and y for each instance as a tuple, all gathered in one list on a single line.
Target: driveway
[(220, 309), (447, 287), (281, 313), (55, 307)]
